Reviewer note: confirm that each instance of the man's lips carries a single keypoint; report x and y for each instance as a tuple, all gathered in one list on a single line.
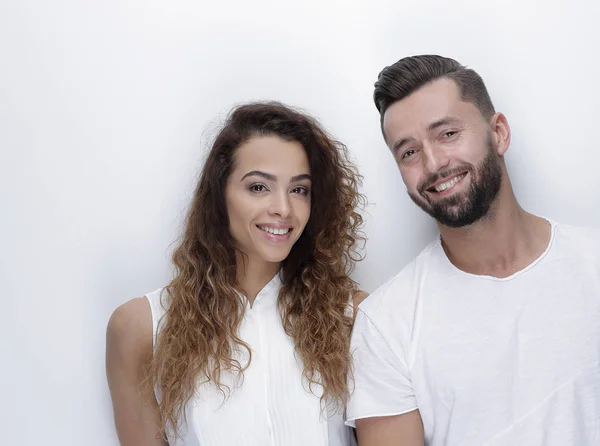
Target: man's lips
[(444, 183)]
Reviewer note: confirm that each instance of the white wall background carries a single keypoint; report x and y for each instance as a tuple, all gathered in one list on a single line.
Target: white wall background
[(103, 113)]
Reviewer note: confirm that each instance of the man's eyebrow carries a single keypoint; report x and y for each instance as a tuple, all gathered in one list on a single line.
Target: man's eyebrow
[(400, 143), (258, 173), (434, 125), (441, 122)]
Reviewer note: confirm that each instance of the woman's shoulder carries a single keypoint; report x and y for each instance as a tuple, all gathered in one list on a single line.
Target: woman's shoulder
[(129, 329), (357, 298)]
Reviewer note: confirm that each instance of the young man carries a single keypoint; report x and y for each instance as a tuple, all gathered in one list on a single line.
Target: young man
[(491, 336)]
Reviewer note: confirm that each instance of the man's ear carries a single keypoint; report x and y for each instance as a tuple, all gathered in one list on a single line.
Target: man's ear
[(500, 133)]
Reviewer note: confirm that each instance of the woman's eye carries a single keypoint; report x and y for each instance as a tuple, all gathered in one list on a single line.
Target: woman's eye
[(300, 190), (258, 188)]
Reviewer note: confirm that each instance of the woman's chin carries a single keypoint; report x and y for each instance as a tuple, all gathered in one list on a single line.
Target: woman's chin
[(275, 257)]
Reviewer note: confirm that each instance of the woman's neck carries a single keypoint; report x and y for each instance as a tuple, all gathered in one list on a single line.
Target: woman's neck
[(253, 274)]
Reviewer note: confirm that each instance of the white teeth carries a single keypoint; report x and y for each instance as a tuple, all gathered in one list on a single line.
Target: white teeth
[(448, 184), (275, 231)]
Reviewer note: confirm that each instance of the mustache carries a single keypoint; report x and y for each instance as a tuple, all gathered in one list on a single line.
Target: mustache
[(434, 178)]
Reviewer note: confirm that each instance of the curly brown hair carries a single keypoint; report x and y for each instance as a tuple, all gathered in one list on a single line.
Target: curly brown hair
[(204, 306)]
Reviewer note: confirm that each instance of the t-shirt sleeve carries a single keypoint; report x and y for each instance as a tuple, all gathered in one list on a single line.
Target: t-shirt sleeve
[(381, 384)]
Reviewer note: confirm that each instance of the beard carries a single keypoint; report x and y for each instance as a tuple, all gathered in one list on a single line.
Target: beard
[(463, 209)]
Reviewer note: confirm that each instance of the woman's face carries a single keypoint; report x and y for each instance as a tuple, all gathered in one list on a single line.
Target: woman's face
[(268, 197)]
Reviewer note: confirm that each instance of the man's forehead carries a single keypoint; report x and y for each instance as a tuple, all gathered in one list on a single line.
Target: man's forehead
[(431, 103)]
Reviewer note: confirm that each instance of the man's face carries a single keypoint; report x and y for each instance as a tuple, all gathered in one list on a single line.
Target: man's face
[(446, 153)]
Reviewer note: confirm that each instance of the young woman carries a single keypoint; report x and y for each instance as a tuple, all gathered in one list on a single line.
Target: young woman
[(249, 343)]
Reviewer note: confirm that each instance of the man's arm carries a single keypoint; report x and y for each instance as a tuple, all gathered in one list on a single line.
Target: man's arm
[(397, 430), (382, 404)]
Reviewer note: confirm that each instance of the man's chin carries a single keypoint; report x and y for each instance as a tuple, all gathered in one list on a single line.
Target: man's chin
[(455, 216), (450, 207)]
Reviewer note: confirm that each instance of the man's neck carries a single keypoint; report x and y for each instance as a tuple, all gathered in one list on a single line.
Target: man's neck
[(502, 243), (253, 274)]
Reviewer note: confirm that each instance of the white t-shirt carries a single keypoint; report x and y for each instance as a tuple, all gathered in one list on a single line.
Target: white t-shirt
[(273, 404), (487, 361)]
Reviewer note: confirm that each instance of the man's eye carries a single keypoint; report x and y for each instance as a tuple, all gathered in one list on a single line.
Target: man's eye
[(408, 153), (449, 134)]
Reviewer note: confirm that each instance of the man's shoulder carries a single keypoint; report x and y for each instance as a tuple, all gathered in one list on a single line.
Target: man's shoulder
[(578, 237), (401, 291)]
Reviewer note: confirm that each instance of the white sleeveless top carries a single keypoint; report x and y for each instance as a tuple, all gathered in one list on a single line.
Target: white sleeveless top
[(272, 406)]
